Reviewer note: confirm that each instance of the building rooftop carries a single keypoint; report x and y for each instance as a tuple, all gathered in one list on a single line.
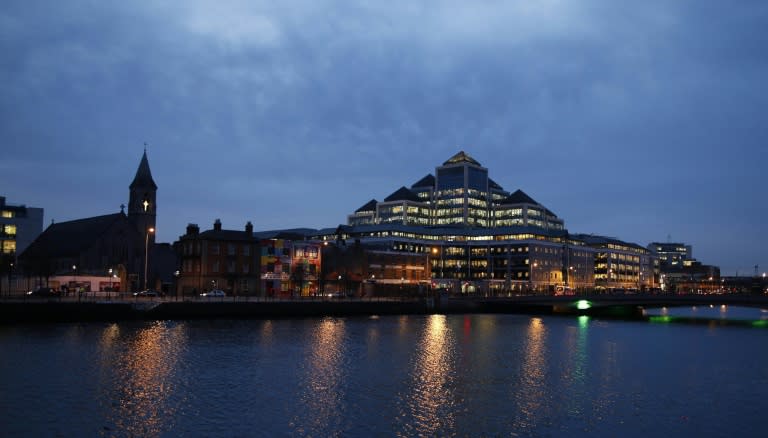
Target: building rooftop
[(369, 206), (461, 157), (403, 194), (143, 176), (70, 238), (427, 181)]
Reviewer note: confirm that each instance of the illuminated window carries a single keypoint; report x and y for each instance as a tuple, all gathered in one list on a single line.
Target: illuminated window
[(9, 246), (7, 213), (10, 230)]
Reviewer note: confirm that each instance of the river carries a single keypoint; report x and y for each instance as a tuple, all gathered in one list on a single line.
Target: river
[(436, 375)]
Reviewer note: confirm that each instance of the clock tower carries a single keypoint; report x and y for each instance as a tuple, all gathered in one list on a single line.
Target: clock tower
[(142, 209)]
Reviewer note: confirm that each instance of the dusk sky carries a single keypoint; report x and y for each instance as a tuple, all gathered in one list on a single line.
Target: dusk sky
[(637, 120)]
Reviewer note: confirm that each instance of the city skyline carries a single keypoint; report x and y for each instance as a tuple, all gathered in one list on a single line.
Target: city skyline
[(638, 124)]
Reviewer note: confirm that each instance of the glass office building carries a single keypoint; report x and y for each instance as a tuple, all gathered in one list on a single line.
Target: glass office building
[(459, 194)]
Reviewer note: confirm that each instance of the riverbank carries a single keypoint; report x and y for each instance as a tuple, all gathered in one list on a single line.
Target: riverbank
[(106, 311), (73, 310)]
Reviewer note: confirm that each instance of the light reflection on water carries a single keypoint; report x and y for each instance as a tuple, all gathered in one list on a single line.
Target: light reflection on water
[(722, 312), (530, 392), (321, 405), (135, 377), (428, 407), (463, 375)]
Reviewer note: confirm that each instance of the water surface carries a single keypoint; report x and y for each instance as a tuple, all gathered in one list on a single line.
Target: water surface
[(473, 375)]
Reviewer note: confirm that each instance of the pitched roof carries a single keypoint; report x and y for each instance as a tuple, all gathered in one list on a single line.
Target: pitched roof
[(494, 185), (427, 181), (461, 157), (369, 206), (70, 238), (402, 194), (143, 176), (519, 197), (227, 235)]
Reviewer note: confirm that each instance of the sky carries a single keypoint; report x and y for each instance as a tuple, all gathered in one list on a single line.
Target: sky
[(645, 121)]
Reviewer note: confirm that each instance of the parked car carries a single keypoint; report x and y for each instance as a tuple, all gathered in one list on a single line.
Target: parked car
[(147, 293), (213, 293), (43, 292)]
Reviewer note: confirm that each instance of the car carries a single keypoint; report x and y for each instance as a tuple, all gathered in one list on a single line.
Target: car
[(213, 293), (43, 292), (147, 293)]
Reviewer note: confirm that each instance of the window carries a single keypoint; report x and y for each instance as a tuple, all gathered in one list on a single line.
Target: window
[(215, 248), (231, 249), (246, 250), (215, 267), (7, 214), (10, 230), (9, 246)]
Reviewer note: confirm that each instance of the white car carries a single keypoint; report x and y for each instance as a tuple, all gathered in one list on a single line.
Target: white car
[(213, 293)]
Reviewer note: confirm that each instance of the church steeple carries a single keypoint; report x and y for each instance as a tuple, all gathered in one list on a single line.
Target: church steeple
[(143, 176), (142, 209)]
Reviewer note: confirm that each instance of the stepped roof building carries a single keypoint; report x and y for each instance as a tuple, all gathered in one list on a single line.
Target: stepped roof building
[(473, 235), (459, 194)]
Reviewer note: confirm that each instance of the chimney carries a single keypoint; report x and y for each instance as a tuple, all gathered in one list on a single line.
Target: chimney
[(217, 225), (192, 229), (249, 228)]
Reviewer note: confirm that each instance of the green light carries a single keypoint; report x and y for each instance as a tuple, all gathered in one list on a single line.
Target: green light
[(583, 321), (761, 323), (661, 319), (583, 305)]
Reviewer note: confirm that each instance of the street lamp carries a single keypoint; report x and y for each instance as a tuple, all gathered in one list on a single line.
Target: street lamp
[(176, 279), (146, 254), (109, 293)]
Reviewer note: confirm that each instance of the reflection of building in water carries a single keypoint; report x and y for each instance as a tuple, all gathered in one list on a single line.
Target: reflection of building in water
[(574, 373), (531, 391), (141, 375), (321, 404), (429, 405)]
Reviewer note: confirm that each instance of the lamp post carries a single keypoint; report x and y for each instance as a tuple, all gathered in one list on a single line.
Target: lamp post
[(109, 293), (146, 254), (176, 275), (74, 280)]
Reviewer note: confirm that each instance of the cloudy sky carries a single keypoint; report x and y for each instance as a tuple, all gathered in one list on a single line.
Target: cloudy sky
[(639, 120)]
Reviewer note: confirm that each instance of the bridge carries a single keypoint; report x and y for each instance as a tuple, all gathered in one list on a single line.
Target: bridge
[(596, 304)]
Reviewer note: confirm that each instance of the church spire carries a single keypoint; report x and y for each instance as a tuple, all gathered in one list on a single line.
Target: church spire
[(143, 178), (142, 206)]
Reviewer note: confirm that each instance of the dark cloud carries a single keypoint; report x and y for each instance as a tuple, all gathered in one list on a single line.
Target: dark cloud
[(636, 121)]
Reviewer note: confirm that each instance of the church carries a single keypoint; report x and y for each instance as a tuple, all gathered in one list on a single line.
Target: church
[(117, 246)]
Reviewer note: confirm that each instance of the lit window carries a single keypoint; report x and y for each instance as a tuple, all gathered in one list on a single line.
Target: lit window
[(9, 246), (7, 213), (10, 230)]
